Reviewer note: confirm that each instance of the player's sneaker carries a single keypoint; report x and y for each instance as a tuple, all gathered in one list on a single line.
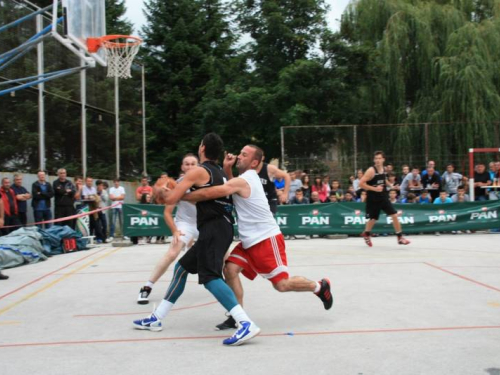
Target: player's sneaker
[(325, 294), (403, 241), (245, 332), (151, 323), (144, 293), (367, 238), (229, 323)]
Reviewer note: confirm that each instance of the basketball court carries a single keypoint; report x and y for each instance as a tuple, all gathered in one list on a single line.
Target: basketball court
[(429, 308)]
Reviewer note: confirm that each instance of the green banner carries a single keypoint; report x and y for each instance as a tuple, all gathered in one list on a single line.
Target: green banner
[(343, 218)]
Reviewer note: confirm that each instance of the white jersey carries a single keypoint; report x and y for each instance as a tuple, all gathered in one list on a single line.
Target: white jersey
[(186, 211), (255, 221)]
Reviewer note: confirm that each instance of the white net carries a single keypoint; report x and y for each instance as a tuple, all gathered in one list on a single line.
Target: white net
[(120, 56)]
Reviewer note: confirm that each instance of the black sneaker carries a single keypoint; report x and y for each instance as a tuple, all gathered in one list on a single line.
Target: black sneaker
[(229, 323), (3, 277), (144, 293), (325, 294)]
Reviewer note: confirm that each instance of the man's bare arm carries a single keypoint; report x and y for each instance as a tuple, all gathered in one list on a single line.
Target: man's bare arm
[(195, 177), (228, 164), (235, 186), (1, 213), (276, 173)]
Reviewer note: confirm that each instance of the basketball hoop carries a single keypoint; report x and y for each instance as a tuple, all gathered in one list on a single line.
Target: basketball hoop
[(120, 52)]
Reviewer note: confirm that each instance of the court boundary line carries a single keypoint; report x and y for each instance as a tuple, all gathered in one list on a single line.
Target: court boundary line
[(462, 277), (49, 274), (276, 334), (54, 282)]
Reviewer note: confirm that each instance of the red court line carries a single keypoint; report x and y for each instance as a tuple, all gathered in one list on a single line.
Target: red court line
[(110, 272), (49, 274), (160, 281), (351, 264), (470, 266), (144, 312), (463, 277), (278, 334)]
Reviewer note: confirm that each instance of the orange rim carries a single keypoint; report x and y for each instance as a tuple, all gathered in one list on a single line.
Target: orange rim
[(93, 44)]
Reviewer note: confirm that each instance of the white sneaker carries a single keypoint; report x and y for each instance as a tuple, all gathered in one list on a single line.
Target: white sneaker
[(110, 239), (437, 234), (246, 331), (126, 238)]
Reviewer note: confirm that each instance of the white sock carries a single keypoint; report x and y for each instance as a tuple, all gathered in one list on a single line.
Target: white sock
[(149, 284), (239, 314), (318, 288), (162, 311)]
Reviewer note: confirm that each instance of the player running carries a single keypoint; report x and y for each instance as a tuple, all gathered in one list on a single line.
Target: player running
[(206, 257), (374, 182), (184, 232), (262, 247)]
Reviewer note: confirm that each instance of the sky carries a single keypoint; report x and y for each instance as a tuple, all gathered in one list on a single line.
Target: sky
[(135, 14)]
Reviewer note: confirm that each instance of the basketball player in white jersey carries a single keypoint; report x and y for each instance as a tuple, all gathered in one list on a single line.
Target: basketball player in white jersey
[(184, 233), (262, 247)]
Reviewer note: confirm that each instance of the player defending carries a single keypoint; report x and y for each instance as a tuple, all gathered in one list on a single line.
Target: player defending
[(206, 257), (262, 247), (374, 182), (184, 232), (268, 173)]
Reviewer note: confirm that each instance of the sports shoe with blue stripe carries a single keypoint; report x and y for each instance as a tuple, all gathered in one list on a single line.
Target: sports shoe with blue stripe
[(151, 323), (245, 332)]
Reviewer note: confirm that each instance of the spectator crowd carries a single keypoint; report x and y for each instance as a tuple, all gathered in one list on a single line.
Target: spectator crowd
[(411, 185)]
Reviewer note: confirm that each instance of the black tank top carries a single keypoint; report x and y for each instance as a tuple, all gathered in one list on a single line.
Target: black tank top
[(268, 185), (215, 208), (378, 179)]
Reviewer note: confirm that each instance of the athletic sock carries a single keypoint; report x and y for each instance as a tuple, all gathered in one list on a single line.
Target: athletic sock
[(318, 288), (177, 284), (239, 314), (162, 311), (149, 284), (222, 292), (368, 233), (399, 234)]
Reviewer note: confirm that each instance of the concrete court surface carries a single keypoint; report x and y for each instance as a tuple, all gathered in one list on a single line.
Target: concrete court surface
[(429, 308)]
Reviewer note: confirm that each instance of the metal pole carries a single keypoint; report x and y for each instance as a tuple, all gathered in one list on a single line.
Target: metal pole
[(355, 131), (282, 130), (426, 129), (117, 130), (41, 100), (471, 174), (83, 97), (143, 77)]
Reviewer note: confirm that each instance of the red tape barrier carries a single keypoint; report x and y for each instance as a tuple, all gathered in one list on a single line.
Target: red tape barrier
[(66, 218)]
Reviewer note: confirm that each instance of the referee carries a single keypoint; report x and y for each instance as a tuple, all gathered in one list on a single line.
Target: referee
[(374, 182)]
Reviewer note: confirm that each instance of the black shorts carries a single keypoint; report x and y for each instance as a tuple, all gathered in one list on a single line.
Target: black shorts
[(373, 208), (206, 256)]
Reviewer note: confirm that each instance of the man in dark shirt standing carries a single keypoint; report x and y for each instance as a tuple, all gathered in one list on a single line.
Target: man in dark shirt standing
[(22, 196), (2, 276), (10, 207), (431, 180), (481, 178), (42, 193), (64, 201)]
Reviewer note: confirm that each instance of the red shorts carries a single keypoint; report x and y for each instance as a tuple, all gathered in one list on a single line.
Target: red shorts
[(267, 258)]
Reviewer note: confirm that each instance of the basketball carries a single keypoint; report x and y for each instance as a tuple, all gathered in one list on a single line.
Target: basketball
[(159, 189)]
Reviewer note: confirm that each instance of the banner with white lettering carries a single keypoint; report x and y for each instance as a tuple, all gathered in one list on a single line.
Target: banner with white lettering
[(344, 218)]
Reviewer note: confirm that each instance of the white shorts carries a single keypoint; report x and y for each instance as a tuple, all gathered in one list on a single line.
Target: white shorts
[(189, 230)]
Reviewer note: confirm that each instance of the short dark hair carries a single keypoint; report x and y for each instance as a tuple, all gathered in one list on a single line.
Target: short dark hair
[(144, 178), (461, 187), (99, 182), (259, 153), (450, 165), (213, 146), (116, 180), (298, 191), (376, 153), (425, 191)]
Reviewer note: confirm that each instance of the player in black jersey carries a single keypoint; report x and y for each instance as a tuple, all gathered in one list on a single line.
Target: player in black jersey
[(267, 174), (206, 256), (375, 183)]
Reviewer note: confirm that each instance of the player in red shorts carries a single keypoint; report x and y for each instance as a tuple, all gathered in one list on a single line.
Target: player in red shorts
[(262, 247)]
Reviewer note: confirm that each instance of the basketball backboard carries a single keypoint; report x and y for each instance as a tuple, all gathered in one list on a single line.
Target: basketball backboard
[(82, 19)]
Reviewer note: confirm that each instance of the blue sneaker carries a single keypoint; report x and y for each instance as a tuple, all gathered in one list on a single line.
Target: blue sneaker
[(151, 323), (245, 332)]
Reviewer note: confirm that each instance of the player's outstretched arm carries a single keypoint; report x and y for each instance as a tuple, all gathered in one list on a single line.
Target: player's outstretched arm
[(276, 173), (234, 186), (195, 177)]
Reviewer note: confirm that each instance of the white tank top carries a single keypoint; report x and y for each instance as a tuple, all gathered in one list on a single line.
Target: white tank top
[(255, 220), (186, 211)]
